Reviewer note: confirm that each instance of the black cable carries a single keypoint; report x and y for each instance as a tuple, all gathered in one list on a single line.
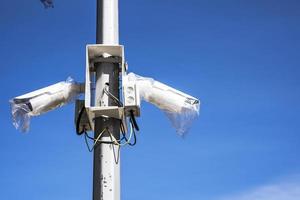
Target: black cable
[(115, 99), (134, 121), (86, 142), (122, 128), (123, 132), (134, 137), (113, 143)]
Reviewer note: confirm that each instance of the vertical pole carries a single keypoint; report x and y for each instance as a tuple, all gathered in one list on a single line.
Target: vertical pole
[(106, 177)]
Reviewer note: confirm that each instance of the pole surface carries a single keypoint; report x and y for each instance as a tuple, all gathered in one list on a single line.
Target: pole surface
[(106, 172)]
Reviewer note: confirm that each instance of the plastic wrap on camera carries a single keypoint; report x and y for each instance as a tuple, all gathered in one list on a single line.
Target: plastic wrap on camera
[(41, 101), (180, 108)]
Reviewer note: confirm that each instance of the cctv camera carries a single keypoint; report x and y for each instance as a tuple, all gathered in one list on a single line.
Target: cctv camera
[(180, 108), (41, 101)]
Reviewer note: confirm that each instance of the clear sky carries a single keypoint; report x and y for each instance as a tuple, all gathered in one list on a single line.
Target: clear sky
[(240, 58)]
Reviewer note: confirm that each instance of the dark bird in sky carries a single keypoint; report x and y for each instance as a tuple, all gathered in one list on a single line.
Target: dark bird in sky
[(48, 3)]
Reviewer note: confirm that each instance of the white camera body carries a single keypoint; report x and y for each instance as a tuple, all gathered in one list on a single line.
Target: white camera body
[(41, 101), (48, 98), (182, 109), (45, 99), (164, 97)]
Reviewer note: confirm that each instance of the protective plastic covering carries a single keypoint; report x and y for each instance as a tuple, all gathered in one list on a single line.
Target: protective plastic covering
[(41, 101), (180, 108)]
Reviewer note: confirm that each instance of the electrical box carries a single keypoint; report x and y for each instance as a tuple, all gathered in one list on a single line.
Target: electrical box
[(81, 118), (131, 97)]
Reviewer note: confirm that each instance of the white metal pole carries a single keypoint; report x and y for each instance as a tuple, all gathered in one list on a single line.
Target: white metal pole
[(106, 178)]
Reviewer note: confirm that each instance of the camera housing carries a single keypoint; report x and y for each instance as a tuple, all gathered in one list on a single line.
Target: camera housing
[(43, 100)]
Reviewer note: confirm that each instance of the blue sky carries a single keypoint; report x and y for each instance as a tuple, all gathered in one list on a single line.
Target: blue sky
[(240, 58)]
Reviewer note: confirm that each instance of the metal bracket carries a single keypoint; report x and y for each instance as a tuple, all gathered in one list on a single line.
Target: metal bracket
[(102, 53)]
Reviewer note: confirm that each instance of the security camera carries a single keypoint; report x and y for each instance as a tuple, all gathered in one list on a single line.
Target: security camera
[(179, 107), (41, 101)]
